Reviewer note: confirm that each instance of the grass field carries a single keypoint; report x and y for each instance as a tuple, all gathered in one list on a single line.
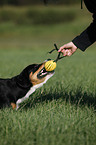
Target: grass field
[(63, 111)]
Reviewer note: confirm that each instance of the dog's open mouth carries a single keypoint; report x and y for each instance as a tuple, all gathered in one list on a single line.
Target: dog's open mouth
[(44, 73)]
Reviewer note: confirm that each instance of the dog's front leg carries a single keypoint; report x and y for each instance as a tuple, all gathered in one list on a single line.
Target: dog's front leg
[(19, 101)]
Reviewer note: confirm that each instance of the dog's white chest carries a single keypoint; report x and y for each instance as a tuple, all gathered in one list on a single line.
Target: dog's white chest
[(32, 89)]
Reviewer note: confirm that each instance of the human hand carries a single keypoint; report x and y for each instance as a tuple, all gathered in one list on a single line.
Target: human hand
[(68, 49)]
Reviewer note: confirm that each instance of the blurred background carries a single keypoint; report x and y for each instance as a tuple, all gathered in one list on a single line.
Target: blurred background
[(30, 28), (63, 111), (32, 23), (31, 2)]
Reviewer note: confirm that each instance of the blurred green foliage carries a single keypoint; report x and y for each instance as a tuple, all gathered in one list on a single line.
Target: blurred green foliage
[(28, 2), (30, 15)]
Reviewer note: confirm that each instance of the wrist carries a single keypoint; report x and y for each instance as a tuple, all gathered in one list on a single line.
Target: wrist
[(74, 46)]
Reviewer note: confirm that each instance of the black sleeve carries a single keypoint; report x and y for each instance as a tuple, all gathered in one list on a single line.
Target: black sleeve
[(87, 37)]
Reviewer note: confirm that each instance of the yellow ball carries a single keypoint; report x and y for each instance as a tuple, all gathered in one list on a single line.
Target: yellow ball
[(50, 65)]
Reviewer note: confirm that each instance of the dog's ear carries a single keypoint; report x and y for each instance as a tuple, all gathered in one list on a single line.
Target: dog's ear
[(23, 79)]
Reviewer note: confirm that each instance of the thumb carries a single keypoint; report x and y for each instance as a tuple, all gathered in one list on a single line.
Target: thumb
[(62, 47)]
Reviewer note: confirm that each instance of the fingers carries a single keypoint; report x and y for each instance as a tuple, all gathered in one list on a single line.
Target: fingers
[(68, 49), (67, 52), (61, 48)]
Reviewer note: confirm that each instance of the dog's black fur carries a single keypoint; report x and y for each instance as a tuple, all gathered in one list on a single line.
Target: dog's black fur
[(17, 87)]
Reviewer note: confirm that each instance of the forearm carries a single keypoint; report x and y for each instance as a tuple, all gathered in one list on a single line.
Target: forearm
[(87, 37)]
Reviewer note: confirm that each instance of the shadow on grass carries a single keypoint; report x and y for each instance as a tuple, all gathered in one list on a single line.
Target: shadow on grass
[(78, 98)]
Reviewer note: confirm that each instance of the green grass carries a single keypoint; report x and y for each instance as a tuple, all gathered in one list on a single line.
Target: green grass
[(63, 111)]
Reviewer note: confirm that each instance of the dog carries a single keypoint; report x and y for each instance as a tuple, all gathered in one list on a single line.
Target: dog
[(15, 90)]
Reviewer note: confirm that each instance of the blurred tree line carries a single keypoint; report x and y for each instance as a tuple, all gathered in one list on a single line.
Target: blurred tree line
[(32, 2)]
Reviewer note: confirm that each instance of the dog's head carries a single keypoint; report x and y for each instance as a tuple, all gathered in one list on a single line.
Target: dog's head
[(33, 74)]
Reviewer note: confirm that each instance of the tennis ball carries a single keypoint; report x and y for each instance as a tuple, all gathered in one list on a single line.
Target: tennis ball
[(50, 65)]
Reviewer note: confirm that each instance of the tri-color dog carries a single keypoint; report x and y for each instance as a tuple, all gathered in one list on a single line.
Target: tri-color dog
[(15, 90)]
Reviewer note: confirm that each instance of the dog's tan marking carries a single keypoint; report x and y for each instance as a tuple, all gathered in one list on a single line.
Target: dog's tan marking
[(36, 83), (33, 77), (13, 105)]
